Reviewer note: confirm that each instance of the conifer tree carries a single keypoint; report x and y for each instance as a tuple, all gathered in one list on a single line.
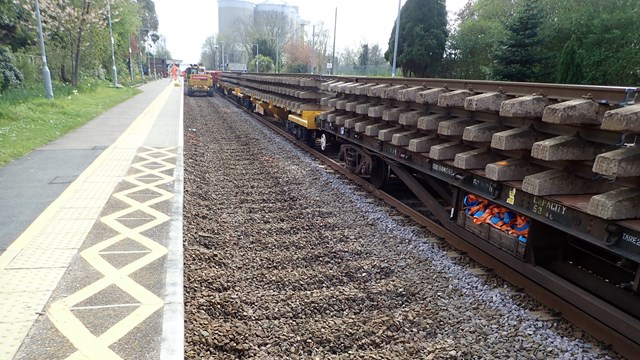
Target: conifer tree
[(519, 57), (423, 36), (570, 64)]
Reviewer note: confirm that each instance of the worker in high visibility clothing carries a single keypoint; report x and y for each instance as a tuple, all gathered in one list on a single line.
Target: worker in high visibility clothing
[(174, 71)]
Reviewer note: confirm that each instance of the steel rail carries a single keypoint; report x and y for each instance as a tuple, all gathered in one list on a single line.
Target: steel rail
[(601, 320), (613, 95)]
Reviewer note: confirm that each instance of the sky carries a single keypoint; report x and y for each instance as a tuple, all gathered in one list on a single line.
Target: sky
[(359, 21)]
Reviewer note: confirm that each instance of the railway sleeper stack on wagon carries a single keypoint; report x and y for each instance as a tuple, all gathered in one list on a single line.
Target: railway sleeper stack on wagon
[(292, 99), (565, 158)]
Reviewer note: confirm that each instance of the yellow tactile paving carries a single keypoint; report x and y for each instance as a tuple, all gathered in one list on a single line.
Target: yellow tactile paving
[(20, 309), (62, 226), (12, 333), (69, 213), (42, 258), (27, 280), (67, 234)]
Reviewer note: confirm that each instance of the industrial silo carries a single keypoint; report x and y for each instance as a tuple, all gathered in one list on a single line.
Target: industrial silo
[(232, 14), (268, 10)]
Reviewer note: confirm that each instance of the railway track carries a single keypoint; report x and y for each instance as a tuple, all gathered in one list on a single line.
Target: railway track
[(611, 319), (286, 259)]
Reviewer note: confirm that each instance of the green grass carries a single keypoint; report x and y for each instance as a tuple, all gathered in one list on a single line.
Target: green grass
[(28, 120)]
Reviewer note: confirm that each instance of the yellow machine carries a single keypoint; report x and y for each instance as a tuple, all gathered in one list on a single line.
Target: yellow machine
[(197, 80)]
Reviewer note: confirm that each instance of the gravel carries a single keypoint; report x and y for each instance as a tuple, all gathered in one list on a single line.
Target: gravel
[(285, 259)]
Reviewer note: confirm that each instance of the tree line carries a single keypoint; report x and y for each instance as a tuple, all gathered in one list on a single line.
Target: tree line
[(569, 41), (77, 39)]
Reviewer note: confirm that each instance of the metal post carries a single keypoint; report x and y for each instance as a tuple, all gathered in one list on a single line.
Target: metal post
[(46, 75), (216, 64), (154, 65), (113, 47), (140, 54), (130, 64), (395, 46), (333, 56), (223, 64), (277, 54), (257, 53), (313, 48)]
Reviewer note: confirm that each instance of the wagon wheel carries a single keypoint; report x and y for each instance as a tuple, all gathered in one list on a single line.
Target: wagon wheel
[(379, 173)]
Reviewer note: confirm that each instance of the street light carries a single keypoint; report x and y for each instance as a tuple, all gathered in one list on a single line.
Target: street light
[(223, 65), (215, 63), (113, 50), (257, 53), (140, 52), (46, 75)]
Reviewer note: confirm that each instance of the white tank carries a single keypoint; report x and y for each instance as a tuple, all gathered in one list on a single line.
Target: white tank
[(231, 13), (268, 8)]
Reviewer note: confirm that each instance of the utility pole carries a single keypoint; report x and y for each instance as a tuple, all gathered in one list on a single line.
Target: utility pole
[(395, 46), (130, 64), (333, 56), (113, 49), (313, 48), (46, 75), (257, 53), (140, 54), (223, 64)]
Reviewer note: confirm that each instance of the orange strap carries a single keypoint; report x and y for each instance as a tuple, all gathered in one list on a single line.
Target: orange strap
[(487, 214)]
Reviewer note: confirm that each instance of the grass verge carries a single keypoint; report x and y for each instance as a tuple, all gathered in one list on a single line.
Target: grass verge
[(28, 122)]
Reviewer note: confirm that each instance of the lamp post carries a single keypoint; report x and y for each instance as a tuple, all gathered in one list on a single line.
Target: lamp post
[(140, 54), (215, 63), (257, 53), (313, 48), (130, 63), (46, 75), (113, 49), (395, 46), (333, 56), (155, 76), (223, 64)]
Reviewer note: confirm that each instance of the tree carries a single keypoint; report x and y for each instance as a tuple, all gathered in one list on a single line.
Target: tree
[(422, 38), (265, 64), (608, 38), (148, 17), (272, 31), (472, 41), (363, 59), (13, 31), (10, 76), (519, 57), (209, 53), (161, 49), (570, 65), (67, 22)]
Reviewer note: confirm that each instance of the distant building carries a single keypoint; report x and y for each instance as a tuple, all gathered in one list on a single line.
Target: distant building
[(232, 13), (268, 8)]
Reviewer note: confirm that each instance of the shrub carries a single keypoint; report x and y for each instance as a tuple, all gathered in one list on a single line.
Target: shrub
[(11, 76)]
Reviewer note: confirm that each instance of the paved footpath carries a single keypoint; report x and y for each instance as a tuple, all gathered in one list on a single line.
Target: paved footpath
[(91, 238)]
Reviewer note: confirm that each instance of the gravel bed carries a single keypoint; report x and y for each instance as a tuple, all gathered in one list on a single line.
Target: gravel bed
[(284, 259)]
